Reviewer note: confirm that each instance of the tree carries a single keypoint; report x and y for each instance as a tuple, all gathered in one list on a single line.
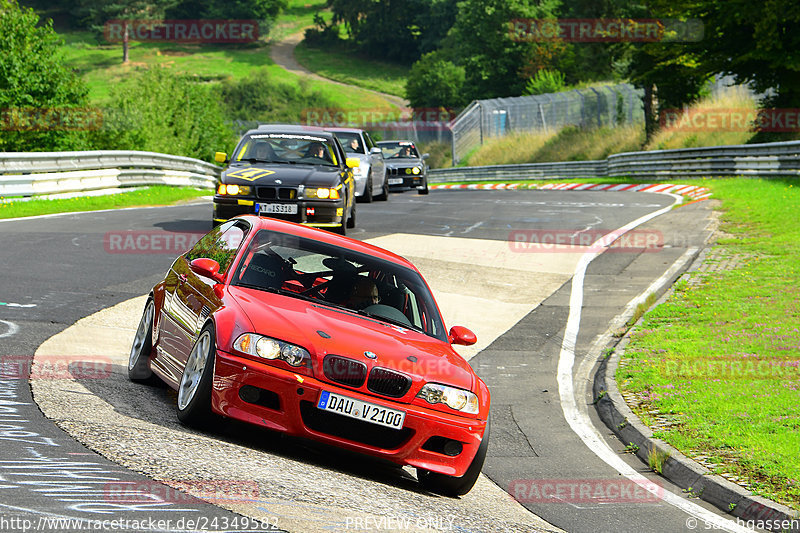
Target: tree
[(125, 11), (38, 92), (497, 63), (546, 81), (262, 10), (163, 112), (435, 82), (757, 43)]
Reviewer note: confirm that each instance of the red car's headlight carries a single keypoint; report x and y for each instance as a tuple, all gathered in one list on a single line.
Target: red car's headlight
[(458, 399), (268, 348)]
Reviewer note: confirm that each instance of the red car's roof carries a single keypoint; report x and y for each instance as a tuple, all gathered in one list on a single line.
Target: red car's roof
[(327, 237)]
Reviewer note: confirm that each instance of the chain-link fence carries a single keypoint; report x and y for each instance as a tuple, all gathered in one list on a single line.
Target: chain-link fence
[(592, 107)]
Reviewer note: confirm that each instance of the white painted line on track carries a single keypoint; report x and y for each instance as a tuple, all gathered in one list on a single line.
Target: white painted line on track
[(12, 329), (578, 419)]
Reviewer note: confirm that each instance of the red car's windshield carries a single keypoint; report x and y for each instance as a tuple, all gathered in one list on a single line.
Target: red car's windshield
[(328, 274)]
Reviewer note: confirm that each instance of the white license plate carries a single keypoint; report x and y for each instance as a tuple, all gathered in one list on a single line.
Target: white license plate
[(368, 412), (282, 209), (395, 181)]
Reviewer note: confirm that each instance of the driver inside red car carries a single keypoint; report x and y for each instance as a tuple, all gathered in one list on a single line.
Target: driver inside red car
[(363, 294)]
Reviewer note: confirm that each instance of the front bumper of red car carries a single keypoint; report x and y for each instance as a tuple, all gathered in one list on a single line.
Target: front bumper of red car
[(286, 401)]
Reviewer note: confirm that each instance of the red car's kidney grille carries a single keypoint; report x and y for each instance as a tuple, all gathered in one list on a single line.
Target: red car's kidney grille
[(388, 382), (355, 430), (345, 371)]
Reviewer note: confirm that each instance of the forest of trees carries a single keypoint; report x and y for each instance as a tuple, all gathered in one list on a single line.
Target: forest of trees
[(463, 49)]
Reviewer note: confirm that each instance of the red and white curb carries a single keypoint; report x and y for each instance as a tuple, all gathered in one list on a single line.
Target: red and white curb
[(692, 191)]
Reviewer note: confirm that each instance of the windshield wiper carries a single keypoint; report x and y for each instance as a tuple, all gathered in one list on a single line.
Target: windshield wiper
[(406, 325), (277, 290)]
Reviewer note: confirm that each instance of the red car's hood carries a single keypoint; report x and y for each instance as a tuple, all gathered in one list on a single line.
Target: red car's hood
[(300, 321)]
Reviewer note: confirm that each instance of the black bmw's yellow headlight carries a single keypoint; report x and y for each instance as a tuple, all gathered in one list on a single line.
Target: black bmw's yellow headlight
[(233, 190)]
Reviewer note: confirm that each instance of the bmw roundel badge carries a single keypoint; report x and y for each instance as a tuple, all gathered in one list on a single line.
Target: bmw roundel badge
[(371, 355)]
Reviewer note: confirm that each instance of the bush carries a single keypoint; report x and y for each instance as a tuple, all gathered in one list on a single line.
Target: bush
[(435, 82), (258, 97), (38, 93), (164, 112), (545, 82)]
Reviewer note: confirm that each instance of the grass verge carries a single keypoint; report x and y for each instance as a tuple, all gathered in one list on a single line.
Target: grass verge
[(149, 196), (568, 144), (344, 65), (716, 368)]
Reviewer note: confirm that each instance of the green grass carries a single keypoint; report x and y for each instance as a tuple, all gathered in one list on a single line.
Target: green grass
[(344, 65), (100, 65), (719, 360), (157, 195), (568, 144)]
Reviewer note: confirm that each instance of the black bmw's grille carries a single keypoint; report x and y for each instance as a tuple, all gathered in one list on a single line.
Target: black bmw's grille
[(345, 371), (276, 193), (388, 382)]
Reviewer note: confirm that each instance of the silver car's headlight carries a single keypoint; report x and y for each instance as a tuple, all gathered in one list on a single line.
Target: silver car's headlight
[(361, 170), (458, 399), (268, 348)]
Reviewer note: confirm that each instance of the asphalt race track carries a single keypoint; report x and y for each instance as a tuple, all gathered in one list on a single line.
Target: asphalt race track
[(472, 248)]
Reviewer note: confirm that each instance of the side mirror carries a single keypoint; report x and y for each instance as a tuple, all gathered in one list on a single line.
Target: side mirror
[(220, 157), (461, 335), (425, 156), (206, 267), (376, 150), (353, 162)]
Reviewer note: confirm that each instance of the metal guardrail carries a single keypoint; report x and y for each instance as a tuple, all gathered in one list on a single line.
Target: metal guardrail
[(53, 173), (768, 159)]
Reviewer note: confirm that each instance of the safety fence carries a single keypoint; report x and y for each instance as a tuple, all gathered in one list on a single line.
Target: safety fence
[(591, 107)]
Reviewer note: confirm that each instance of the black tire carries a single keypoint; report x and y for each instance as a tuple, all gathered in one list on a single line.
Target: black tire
[(351, 220), (424, 188), (384, 195), (194, 389), (367, 196), (139, 359), (456, 486)]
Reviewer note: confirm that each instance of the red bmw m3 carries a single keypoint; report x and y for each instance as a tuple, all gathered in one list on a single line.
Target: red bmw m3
[(319, 336)]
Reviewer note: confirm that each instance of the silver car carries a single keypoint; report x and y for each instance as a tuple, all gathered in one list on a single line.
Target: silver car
[(372, 180)]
